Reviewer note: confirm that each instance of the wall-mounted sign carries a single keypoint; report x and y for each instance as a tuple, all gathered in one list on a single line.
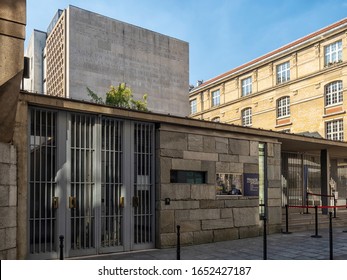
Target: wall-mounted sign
[(229, 184), (251, 184)]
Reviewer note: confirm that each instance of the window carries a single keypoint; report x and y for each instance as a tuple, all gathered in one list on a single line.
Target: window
[(216, 119), (333, 53), (215, 97), (283, 109), (187, 177), (193, 107), (246, 86), (333, 93), (228, 184), (283, 72), (334, 130), (247, 117)]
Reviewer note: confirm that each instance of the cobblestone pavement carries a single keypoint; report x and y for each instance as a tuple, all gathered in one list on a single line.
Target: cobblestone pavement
[(294, 246)]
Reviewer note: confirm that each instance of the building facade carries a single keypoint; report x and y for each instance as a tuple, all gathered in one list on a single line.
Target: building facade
[(35, 52), (115, 180), (84, 49), (298, 88)]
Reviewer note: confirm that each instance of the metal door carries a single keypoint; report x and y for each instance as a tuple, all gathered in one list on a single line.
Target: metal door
[(42, 188), (93, 183), (142, 186), (127, 195), (112, 189), (81, 190)]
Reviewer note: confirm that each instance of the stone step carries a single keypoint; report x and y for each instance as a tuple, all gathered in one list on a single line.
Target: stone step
[(303, 222)]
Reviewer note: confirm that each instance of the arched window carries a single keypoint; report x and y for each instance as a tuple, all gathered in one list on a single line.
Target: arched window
[(247, 117), (333, 93), (283, 107)]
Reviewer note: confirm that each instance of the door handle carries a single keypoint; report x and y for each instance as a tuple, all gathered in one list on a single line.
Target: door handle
[(55, 202), (72, 202), (121, 202), (136, 201)]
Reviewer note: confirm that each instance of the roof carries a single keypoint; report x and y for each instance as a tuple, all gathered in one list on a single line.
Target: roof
[(273, 53), (290, 142)]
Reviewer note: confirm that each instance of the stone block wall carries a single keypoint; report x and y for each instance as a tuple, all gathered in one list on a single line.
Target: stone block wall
[(203, 215), (8, 202)]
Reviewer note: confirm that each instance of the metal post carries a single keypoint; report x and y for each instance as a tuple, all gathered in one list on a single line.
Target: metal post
[(334, 207), (287, 220), (316, 223), (307, 203), (331, 235), (264, 240), (178, 255), (61, 239)]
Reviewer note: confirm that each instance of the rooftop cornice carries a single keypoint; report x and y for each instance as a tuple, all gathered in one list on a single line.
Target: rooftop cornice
[(275, 53)]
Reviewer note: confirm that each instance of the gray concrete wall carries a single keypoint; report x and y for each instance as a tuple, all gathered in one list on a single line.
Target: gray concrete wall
[(203, 215), (34, 51), (8, 202), (104, 52)]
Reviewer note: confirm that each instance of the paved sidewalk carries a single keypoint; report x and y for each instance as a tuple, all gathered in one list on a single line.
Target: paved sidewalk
[(294, 246)]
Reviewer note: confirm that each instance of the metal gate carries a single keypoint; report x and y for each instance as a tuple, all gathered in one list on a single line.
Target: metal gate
[(300, 174), (42, 187), (92, 182)]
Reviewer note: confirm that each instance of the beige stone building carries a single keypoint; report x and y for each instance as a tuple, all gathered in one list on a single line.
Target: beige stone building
[(298, 88), (115, 180)]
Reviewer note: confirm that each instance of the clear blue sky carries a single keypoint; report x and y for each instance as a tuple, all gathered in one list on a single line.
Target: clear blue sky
[(222, 34)]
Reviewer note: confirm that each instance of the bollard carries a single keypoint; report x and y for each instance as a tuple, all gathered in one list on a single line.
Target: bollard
[(335, 207), (61, 239), (178, 252), (306, 204), (287, 220), (264, 240), (316, 223), (331, 235)]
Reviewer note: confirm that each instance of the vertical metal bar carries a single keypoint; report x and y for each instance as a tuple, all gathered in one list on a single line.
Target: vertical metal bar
[(34, 182), (265, 239), (111, 182), (40, 183), (61, 238), (287, 220), (74, 185), (79, 184), (316, 223), (331, 236), (47, 207), (87, 183), (178, 249), (119, 182)]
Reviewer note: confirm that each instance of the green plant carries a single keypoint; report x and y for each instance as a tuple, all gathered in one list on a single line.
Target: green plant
[(120, 96)]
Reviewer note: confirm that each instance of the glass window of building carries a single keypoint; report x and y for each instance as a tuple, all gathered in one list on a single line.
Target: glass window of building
[(333, 53), (193, 107), (283, 72), (333, 93), (215, 98), (334, 130), (247, 117), (216, 119), (246, 86), (283, 107)]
